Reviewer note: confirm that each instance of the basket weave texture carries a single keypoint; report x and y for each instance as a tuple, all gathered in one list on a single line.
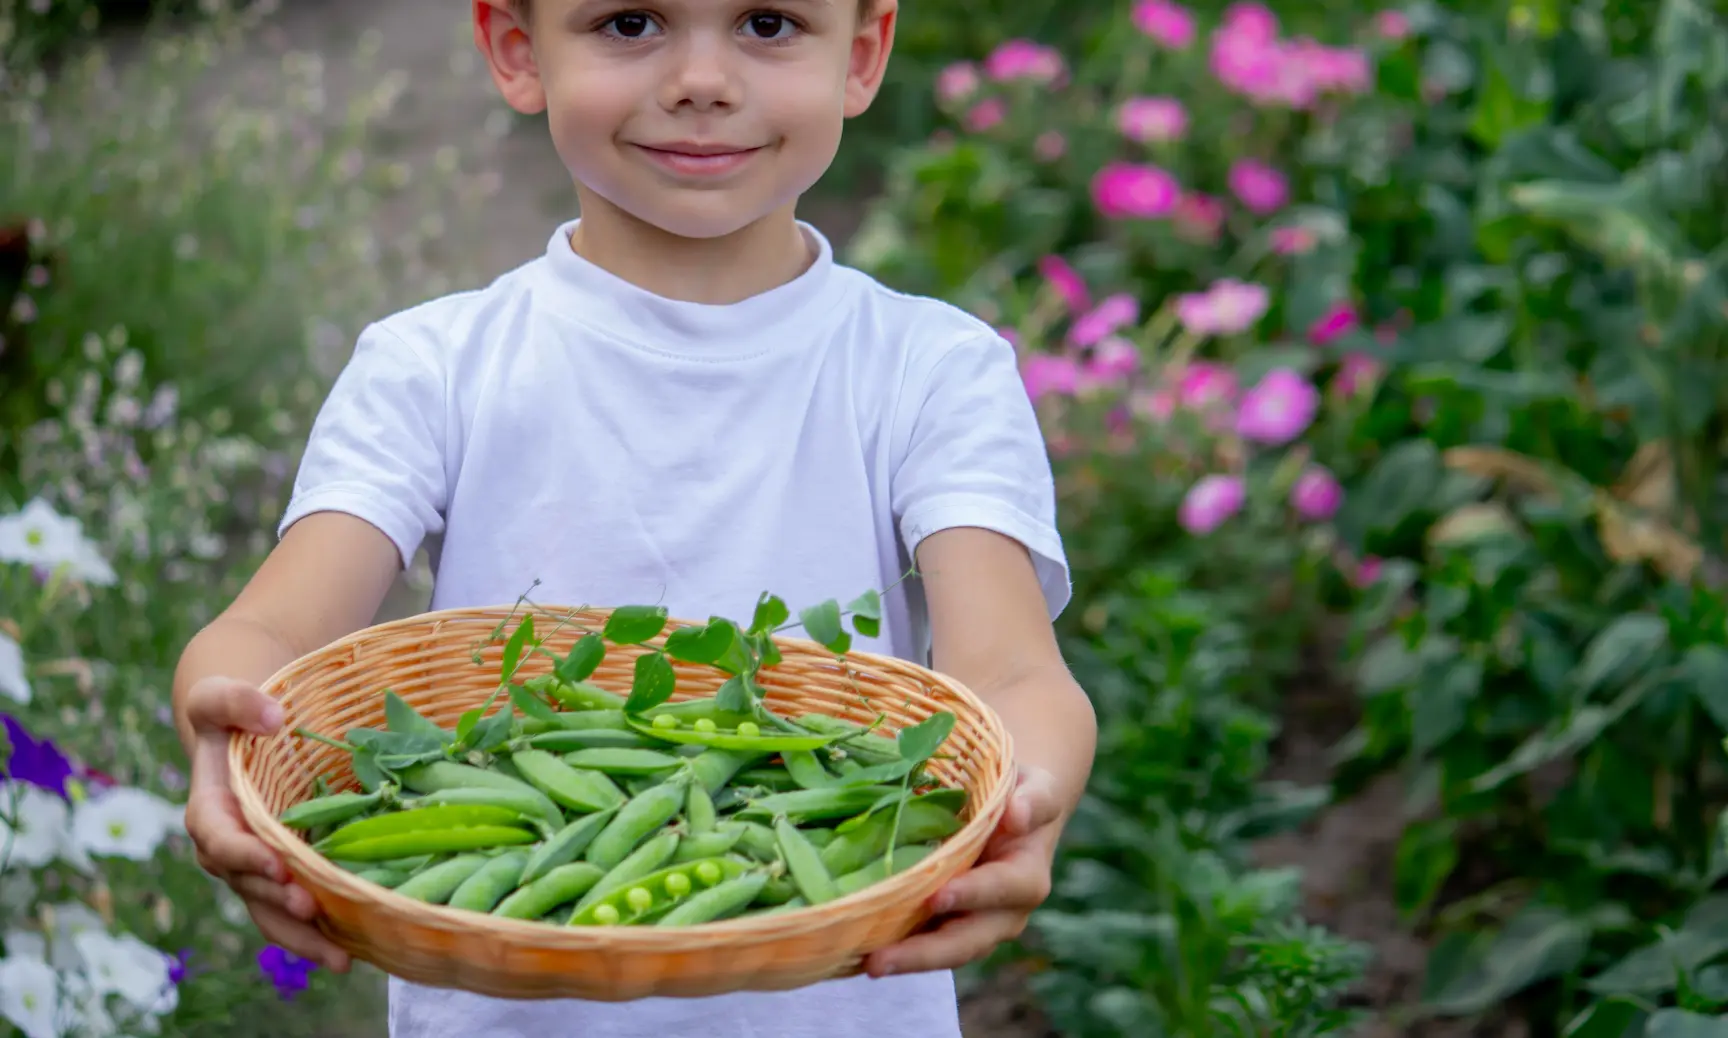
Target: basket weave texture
[(428, 661)]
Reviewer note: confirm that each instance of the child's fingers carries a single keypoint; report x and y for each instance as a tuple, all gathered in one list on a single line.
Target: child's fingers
[(1034, 804), (1019, 883), (298, 937), (954, 944)]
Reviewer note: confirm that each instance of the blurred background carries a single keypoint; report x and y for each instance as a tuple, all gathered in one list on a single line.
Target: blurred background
[(1380, 352)]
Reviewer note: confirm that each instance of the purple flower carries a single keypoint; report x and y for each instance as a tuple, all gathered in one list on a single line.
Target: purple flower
[(287, 971), (177, 969), (36, 761), (1316, 494), (1278, 408), (1210, 502)]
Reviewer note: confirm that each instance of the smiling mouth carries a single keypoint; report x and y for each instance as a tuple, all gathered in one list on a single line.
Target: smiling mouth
[(697, 159)]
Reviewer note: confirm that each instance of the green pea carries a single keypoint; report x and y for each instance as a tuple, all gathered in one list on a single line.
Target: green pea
[(636, 821), (666, 721), (446, 816), (656, 852), (435, 841), (606, 915), (719, 902), (482, 891), (623, 761), (677, 885), (627, 898), (705, 725), (706, 872), (566, 844), (435, 885), (576, 788), (333, 809), (705, 732), (804, 862), (749, 729), (558, 886), (639, 899), (688, 710)]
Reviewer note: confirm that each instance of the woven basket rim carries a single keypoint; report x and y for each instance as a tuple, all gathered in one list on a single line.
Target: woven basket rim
[(309, 866)]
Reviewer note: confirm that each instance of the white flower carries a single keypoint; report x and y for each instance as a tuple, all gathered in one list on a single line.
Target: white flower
[(72, 920), (17, 891), (14, 684), (30, 996), (125, 966), (40, 536), (123, 822), (41, 829), (84, 1009), (26, 944)]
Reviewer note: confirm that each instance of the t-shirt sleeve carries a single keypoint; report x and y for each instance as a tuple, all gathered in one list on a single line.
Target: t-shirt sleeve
[(975, 456), (376, 450)]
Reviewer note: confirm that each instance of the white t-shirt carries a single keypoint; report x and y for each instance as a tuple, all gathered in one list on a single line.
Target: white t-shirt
[(566, 426)]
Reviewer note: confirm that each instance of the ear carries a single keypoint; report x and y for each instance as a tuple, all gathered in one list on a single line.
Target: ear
[(502, 37), (869, 58)]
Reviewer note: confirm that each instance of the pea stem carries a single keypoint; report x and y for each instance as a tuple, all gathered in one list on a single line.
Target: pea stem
[(325, 739)]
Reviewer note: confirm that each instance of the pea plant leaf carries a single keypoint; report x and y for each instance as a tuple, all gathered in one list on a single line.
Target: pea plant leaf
[(921, 741), (465, 726), (633, 625), (767, 651), (653, 683), (771, 612), (866, 612), (734, 696), (494, 731), (513, 649), (531, 705), (584, 657), (367, 771), (403, 719), (710, 643), (822, 624)]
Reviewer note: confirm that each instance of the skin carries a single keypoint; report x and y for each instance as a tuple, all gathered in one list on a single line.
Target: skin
[(708, 72)]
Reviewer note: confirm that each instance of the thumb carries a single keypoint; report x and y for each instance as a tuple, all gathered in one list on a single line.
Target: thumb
[(1034, 804), (217, 705)]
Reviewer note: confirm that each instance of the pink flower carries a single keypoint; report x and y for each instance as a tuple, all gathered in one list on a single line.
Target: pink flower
[(1210, 502), (1154, 404), (1392, 25), (1050, 146), (1341, 69), (1368, 571), (1316, 494), (1250, 21), (1199, 217), (1045, 374), (1123, 189), (1335, 322), (1024, 59), (1278, 408), (1227, 307), (1260, 187), (1169, 24), (1147, 119), (1293, 241), (1205, 385), (1066, 281), (1110, 314), (1112, 361), (957, 82), (1356, 374), (986, 114), (1247, 65)]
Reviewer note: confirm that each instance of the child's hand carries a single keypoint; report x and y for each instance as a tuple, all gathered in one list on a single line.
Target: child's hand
[(992, 902)]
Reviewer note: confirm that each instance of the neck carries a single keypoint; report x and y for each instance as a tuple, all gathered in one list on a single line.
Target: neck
[(733, 267)]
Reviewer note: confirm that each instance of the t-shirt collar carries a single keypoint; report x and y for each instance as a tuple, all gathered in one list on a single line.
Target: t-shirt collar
[(597, 297)]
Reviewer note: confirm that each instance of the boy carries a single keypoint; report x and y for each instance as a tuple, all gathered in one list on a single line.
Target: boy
[(686, 400)]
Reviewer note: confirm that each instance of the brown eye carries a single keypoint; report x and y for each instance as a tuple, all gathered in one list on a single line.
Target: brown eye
[(769, 25), (632, 26)]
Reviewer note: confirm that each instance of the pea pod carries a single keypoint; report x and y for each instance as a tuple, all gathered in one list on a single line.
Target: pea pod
[(575, 788), (654, 853), (636, 821), (702, 708), (820, 837), (777, 780), (707, 845), (755, 839), (435, 841), (639, 897), (622, 761), (777, 891), (384, 877), (437, 817), (880, 869), (524, 802), (433, 776), (435, 884), (579, 721), (699, 812), (804, 863), (715, 767), (719, 902), (406, 866), (723, 739), (586, 739), (482, 891), (332, 809), (806, 770), (582, 695), (565, 844), (865, 746), (558, 886), (805, 805), (921, 821)]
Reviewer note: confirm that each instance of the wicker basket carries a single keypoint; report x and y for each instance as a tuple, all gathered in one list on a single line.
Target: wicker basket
[(427, 660)]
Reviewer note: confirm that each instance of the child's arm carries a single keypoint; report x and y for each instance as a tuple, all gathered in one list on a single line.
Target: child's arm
[(325, 579), (990, 629)]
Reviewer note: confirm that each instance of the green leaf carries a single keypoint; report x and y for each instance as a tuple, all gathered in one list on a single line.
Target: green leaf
[(771, 612), (822, 624), (531, 705), (866, 612), (633, 625), (1622, 651), (1538, 943), (653, 683), (734, 695), (584, 657), (1400, 485), (367, 770), (921, 741), (1442, 701), (767, 650), (403, 719), (1611, 1018), (1706, 667), (1678, 1023), (709, 643), (495, 730), (1655, 969), (1427, 853), (513, 648), (1561, 739), (465, 727)]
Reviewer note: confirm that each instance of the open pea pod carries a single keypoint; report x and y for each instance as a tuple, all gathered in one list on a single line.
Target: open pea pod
[(759, 742)]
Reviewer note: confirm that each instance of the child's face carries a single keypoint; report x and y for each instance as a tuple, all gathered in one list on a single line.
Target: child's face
[(696, 116)]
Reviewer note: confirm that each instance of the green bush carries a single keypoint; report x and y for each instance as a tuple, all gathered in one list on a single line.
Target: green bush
[(178, 281)]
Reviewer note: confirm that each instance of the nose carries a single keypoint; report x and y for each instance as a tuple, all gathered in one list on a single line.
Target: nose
[(702, 76)]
